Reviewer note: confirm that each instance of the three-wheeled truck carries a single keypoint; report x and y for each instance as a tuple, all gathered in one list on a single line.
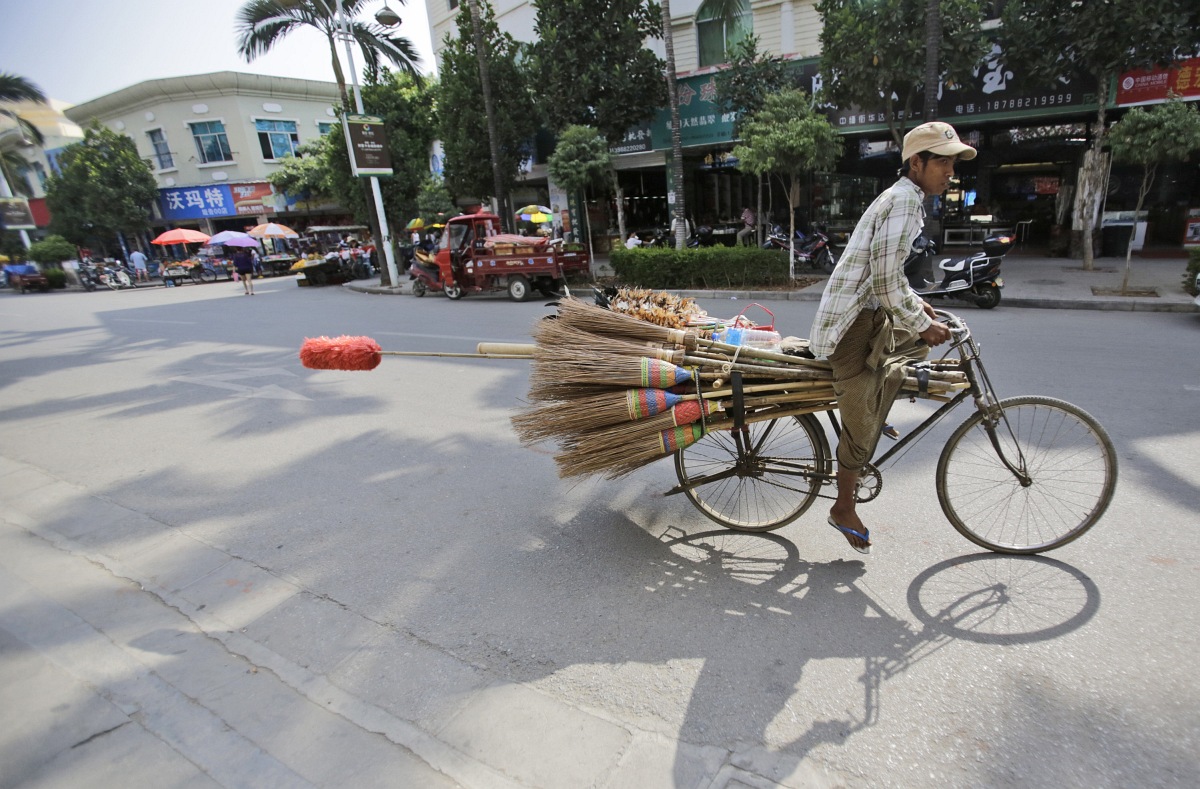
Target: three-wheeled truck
[(475, 257)]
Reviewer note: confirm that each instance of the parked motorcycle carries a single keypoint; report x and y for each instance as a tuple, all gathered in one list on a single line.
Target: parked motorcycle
[(115, 276), (703, 237), (814, 250), (974, 278), (89, 276)]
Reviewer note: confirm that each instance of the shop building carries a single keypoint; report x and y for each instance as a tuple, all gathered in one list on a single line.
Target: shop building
[(212, 140), (1030, 139), (58, 132)]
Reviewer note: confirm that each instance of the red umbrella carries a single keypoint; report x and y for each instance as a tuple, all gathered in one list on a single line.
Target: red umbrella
[(181, 235)]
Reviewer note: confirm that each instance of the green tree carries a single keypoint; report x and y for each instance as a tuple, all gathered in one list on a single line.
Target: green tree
[(743, 87), (52, 249), (104, 188), (1164, 133), (788, 137), (1066, 39), (594, 69), (435, 204), (874, 51), (580, 160), (462, 122), (306, 175), (407, 107)]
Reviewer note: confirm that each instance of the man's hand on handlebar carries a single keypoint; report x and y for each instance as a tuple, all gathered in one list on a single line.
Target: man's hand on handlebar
[(936, 334)]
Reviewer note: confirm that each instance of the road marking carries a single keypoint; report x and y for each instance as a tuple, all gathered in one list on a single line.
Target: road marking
[(147, 320), (1190, 388), (225, 381)]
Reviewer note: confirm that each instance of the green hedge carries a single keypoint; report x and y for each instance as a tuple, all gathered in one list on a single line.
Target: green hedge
[(55, 276), (708, 268), (1193, 268)]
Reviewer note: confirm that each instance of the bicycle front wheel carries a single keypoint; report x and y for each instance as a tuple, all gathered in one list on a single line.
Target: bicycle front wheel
[(1063, 476), (769, 486)]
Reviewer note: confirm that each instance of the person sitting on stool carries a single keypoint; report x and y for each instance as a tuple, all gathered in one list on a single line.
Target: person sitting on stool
[(749, 220)]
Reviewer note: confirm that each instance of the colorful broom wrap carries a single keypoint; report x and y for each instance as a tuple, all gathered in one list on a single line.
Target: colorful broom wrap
[(662, 375), (648, 402), (677, 438), (691, 411)]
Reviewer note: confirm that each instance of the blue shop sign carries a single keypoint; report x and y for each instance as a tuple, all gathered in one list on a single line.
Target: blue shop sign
[(197, 202)]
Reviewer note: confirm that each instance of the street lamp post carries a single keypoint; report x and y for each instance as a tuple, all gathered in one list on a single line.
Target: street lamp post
[(388, 18)]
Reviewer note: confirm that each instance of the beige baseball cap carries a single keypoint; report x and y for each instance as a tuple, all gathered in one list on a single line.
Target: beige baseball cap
[(936, 137)]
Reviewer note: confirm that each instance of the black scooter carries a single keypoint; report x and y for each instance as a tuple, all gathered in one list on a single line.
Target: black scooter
[(814, 250), (975, 278)]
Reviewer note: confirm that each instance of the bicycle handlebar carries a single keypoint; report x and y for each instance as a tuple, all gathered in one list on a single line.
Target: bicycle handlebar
[(958, 327)]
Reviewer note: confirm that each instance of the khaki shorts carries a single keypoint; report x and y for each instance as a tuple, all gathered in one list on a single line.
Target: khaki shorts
[(868, 370)]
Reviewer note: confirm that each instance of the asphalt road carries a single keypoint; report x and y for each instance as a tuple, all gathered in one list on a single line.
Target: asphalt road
[(220, 568)]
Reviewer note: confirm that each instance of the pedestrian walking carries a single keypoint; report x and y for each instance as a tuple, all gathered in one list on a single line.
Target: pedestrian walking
[(870, 323), (243, 264)]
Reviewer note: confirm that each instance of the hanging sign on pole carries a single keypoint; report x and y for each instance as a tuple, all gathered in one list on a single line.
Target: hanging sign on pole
[(368, 141)]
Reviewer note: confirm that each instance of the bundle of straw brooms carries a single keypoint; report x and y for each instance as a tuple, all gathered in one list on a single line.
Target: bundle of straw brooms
[(617, 393)]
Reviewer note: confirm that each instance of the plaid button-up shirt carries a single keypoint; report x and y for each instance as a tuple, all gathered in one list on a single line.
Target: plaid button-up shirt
[(870, 272)]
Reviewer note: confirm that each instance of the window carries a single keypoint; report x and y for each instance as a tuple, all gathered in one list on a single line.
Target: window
[(211, 143), (278, 139), (453, 4), (714, 37), (162, 154), (324, 127)]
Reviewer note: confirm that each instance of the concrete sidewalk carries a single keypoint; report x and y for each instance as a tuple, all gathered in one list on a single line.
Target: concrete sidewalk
[(1029, 281)]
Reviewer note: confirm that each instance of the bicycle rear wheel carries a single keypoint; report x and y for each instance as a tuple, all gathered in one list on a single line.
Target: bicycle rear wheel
[(1070, 466), (773, 487)]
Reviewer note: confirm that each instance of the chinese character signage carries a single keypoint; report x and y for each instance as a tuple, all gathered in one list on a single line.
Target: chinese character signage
[(1153, 86), (196, 202), (252, 198), (368, 140), (15, 214)]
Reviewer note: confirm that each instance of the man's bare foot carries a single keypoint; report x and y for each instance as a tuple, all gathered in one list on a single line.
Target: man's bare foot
[(851, 526)]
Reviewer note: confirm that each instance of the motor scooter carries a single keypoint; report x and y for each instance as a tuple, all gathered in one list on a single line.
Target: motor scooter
[(115, 276), (424, 273), (703, 237), (974, 278), (814, 250)]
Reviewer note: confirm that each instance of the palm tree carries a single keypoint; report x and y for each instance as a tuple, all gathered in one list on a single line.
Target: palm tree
[(14, 88), (261, 24), (727, 11)]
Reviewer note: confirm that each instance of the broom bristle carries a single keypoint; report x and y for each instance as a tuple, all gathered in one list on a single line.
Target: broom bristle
[(587, 413), (552, 367), (619, 459), (597, 320), (560, 337), (340, 353), (685, 413)]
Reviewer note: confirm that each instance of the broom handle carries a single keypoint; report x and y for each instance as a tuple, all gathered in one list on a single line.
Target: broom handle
[(507, 348), (456, 355)]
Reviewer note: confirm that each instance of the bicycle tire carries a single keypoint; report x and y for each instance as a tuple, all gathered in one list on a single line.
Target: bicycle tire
[(1070, 462), (790, 453)]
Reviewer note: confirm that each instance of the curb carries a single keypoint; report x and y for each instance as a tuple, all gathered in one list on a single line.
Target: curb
[(1105, 305)]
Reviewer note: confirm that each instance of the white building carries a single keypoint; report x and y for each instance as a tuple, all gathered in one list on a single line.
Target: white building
[(212, 140)]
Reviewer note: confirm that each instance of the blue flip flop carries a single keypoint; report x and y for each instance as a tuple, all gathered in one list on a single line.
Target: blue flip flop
[(865, 536)]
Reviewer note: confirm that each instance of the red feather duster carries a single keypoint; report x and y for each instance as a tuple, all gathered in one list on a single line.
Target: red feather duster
[(340, 353)]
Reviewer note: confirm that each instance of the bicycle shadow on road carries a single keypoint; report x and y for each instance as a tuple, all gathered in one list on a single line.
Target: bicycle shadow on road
[(984, 598)]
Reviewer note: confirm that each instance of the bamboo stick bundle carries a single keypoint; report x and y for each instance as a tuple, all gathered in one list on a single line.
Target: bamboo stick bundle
[(595, 320)]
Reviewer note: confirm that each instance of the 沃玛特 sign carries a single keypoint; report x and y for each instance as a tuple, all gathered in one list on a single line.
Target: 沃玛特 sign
[(368, 141), (15, 214)]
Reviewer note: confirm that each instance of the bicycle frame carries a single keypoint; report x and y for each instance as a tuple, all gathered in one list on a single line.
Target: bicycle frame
[(979, 389)]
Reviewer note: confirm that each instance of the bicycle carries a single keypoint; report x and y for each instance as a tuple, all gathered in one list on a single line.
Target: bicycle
[(1021, 475)]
